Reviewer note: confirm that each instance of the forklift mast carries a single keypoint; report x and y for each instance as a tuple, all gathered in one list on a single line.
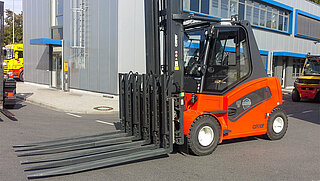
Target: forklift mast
[(167, 57)]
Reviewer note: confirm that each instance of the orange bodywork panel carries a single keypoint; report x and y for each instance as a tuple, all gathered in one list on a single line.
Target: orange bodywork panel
[(241, 112)]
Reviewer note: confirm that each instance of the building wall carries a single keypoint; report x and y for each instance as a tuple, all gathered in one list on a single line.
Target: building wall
[(112, 44), (131, 49), (36, 25), (98, 72), (115, 42)]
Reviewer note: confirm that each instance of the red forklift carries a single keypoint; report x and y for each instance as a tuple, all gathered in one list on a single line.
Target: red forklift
[(198, 96)]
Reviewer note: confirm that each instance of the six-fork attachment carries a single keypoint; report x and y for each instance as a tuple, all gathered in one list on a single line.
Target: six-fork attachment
[(146, 132)]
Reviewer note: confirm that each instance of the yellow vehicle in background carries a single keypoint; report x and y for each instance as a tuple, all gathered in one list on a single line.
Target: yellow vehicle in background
[(13, 61), (307, 86)]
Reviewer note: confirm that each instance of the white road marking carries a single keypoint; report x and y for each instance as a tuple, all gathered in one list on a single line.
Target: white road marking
[(290, 115), (306, 111), (103, 122), (74, 115)]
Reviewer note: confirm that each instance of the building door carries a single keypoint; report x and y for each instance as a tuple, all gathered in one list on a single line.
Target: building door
[(294, 70), (56, 69)]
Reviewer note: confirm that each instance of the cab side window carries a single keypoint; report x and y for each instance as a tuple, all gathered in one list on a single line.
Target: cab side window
[(228, 61)]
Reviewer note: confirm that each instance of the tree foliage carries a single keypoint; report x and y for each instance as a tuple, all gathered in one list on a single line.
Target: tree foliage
[(316, 1), (18, 27)]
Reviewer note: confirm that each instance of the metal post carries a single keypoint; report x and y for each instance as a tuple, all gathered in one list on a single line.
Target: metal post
[(13, 24), (62, 61)]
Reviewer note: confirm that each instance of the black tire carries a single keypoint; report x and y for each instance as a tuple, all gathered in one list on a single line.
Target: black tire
[(205, 122), (277, 132), (317, 97), (295, 96), (21, 76)]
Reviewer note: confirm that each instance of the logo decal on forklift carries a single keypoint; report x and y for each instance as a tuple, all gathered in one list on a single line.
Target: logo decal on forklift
[(257, 126), (246, 103)]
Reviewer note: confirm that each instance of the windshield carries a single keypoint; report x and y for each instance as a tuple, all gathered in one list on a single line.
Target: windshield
[(312, 67), (8, 54), (194, 48)]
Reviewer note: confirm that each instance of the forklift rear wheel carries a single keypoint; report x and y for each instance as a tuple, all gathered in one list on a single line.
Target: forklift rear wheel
[(204, 135), (295, 95), (277, 124)]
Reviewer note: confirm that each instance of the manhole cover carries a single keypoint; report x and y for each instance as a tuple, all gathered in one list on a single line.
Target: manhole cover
[(103, 108)]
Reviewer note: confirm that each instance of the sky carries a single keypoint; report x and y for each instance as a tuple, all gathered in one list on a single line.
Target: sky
[(8, 4)]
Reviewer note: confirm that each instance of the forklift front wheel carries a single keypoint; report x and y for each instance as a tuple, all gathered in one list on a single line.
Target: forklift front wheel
[(295, 95), (204, 135), (277, 124)]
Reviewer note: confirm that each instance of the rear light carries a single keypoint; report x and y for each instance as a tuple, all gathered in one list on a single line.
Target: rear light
[(9, 92)]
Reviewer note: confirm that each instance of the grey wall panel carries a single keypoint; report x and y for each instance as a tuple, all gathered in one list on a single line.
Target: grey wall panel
[(131, 36), (94, 55), (36, 25), (107, 60), (99, 72)]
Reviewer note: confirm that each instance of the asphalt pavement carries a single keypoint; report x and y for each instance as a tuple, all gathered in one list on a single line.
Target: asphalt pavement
[(295, 157)]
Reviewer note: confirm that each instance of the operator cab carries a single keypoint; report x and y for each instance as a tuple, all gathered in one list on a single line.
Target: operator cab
[(312, 67), (216, 58)]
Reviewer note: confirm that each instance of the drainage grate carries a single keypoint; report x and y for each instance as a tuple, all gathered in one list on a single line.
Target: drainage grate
[(103, 108)]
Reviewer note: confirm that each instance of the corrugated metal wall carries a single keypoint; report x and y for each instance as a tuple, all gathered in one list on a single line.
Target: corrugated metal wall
[(36, 25), (131, 53), (99, 72)]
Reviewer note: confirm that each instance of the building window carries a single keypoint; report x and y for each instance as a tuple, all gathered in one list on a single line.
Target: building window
[(308, 27), (57, 19), (57, 12), (256, 12)]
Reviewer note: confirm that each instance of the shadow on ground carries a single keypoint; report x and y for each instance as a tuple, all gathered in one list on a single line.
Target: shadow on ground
[(301, 110)]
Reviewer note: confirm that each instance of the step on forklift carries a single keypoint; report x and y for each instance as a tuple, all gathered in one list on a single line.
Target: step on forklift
[(193, 88)]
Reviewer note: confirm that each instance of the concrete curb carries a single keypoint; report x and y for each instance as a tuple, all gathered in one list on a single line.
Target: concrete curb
[(63, 110)]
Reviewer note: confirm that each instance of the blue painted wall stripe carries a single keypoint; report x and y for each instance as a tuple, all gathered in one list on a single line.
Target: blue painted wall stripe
[(308, 14), (200, 14), (274, 30), (45, 41), (275, 3), (290, 54)]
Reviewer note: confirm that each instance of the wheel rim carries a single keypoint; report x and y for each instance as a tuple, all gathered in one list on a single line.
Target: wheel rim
[(205, 136), (278, 125)]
